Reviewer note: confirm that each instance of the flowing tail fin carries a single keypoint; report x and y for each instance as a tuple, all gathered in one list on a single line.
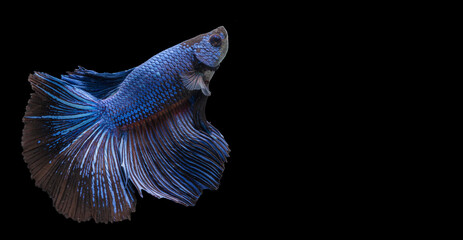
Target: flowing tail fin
[(72, 155)]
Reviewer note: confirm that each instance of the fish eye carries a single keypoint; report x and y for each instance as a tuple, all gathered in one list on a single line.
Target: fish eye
[(215, 40)]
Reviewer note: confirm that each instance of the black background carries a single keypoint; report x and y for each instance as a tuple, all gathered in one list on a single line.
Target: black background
[(307, 101), (294, 98), (56, 40)]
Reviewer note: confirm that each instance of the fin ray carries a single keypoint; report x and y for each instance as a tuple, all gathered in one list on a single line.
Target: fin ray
[(172, 159), (71, 155), (100, 85), (194, 80)]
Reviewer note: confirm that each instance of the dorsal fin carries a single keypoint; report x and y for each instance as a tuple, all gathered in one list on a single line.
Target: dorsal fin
[(100, 85)]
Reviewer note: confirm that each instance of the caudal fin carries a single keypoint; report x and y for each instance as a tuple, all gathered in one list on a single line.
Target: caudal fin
[(71, 154)]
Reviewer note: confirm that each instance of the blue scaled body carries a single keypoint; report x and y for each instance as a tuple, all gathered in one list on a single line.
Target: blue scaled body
[(151, 87), (91, 140)]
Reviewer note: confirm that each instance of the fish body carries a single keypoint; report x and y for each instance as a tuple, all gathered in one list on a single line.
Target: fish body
[(92, 139)]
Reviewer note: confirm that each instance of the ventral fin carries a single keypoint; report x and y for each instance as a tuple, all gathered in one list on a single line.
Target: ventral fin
[(194, 80)]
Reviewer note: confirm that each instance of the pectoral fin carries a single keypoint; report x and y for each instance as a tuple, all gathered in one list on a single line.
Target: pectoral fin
[(195, 80)]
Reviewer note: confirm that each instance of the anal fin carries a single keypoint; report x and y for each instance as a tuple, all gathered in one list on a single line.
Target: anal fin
[(170, 158)]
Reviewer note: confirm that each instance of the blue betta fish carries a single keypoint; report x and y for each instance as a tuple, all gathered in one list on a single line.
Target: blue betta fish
[(90, 139)]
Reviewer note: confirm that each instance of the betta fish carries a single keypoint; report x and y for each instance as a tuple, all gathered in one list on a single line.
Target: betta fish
[(91, 140)]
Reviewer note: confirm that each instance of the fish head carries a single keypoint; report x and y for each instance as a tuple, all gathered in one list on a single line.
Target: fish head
[(210, 48)]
